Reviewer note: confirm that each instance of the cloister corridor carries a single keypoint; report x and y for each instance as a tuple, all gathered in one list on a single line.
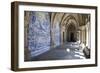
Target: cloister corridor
[(56, 36)]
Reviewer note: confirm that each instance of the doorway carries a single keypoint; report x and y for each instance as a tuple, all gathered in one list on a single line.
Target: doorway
[(72, 36), (71, 33)]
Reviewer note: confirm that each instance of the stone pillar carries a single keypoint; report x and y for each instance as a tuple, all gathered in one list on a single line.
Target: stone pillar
[(89, 35)]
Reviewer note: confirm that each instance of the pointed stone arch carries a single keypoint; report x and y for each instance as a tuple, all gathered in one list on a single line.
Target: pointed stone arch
[(71, 33), (70, 22)]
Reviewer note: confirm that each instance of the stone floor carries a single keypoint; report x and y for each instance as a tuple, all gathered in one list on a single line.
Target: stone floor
[(67, 51)]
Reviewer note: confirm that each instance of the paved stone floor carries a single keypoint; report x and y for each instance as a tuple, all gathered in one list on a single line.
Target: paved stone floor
[(67, 51)]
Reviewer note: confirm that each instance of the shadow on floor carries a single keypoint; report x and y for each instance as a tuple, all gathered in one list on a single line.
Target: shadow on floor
[(67, 51)]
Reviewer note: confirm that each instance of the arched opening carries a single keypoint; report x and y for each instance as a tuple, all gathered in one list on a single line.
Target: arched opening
[(71, 34)]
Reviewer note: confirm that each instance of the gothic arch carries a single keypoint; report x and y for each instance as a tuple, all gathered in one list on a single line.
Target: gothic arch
[(71, 35), (70, 22)]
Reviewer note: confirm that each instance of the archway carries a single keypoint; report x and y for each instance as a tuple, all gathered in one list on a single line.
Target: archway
[(71, 34), (69, 27)]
